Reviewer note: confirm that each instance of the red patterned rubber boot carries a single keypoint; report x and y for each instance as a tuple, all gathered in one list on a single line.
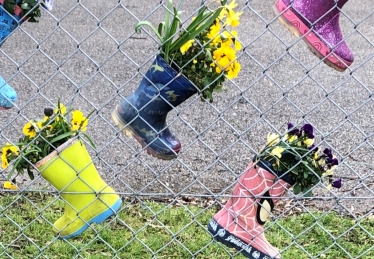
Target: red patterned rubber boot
[(240, 223), (317, 22)]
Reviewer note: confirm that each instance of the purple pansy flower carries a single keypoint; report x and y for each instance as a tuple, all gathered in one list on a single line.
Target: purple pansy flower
[(292, 130), (327, 152), (337, 183), (332, 161), (308, 130)]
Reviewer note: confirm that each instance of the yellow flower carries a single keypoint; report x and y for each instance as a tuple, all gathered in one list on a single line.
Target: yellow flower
[(328, 173), (214, 30), (277, 151), (185, 47), (233, 18), (30, 129), (39, 124), (229, 6), (291, 138), (316, 154), (4, 161), (9, 185), (224, 56), (78, 121), (308, 142), (7, 150), (62, 109), (194, 61), (234, 70), (223, 64), (272, 139), (233, 36)]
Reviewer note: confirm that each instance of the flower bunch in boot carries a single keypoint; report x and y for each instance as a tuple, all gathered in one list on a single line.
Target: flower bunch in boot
[(198, 58), (300, 160), (52, 147), (41, 137), (291, 160)]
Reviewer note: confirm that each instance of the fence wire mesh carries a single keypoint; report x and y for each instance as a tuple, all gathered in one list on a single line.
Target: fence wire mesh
[(88, 54)]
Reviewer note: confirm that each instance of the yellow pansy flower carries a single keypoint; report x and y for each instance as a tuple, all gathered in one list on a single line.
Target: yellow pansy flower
[(214, 30), (272, 139), (185, 47), (277, 151), (234, 70), (4, 161), (308, 142), (78, 121), (291, 138), (6, 151), (9, 185), (234, 38), (29, 129)]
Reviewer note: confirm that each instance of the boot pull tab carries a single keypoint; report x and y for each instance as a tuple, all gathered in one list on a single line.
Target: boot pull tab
[(265, 206)]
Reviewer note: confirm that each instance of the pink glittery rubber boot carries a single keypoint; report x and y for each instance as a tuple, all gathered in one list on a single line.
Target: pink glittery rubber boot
[(317, 21), (240, 223)]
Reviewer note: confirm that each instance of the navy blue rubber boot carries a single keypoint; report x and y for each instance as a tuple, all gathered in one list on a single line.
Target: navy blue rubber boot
[(143, 113)]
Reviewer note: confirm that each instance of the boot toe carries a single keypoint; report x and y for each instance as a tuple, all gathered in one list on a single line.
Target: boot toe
[(8, 95)]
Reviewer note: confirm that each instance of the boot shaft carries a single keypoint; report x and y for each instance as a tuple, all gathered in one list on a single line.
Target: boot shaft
[(162, 88), (70, 170), (255, 182), (316, 13)]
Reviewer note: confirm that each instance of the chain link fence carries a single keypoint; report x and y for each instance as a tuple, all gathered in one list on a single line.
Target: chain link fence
[(88, 54)]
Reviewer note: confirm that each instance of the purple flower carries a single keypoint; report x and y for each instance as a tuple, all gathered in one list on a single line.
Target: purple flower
[(292, 130), (308, 130), (337, 183), (332, 161), (327, 152)]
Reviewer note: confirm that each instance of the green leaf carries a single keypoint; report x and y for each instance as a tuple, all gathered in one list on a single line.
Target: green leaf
[(170, 35), (89, 140), (296, 189), (62, 136), (30, 173), (308, 194), (169, 7), (161, 27), (146, 23)]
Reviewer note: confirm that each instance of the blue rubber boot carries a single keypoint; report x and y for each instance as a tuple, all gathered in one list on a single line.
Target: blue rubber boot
[(8, 23), (143, 113), (7, 95)]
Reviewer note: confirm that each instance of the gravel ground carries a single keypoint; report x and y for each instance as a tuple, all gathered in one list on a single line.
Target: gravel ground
[(89, 55)]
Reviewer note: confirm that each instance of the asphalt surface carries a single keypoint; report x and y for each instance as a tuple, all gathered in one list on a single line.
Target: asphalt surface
[(89, 55)]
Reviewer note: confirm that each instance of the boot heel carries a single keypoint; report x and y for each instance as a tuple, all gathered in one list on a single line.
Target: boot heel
[(120, 125)]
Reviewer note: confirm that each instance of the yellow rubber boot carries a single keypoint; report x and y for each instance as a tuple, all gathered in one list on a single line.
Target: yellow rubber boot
[(87, 197)]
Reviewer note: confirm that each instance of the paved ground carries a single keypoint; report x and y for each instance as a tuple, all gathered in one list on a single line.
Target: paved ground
[(89, 55)]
